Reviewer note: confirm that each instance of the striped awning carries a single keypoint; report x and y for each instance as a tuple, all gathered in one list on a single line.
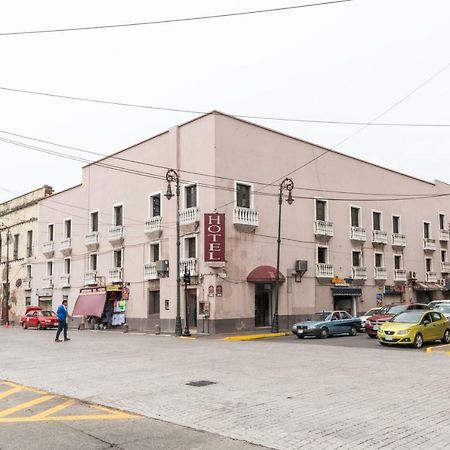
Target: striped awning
[(346, 291)]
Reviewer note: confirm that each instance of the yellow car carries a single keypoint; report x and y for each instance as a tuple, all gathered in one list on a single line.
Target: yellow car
[(415, 327)]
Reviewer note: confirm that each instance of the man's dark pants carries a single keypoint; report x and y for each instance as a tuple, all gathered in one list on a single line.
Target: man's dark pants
[(62, 325)]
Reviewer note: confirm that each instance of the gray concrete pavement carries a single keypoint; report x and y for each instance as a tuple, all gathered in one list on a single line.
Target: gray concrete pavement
[(268, 393)]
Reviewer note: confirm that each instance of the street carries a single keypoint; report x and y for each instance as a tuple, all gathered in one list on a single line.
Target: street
[(280, 393)]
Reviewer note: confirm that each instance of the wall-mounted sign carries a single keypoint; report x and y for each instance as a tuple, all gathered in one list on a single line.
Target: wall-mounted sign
[(215, 237), (219, 290), (125, 293), (210, 291)]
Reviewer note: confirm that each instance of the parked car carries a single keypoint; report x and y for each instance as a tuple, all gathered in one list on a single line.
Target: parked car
[(39, 319), (370, 313), (443, 308), (327, 323), (387, 312), (433, 303), (414, 327)]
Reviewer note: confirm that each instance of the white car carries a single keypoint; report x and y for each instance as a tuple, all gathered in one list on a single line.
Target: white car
[(444, 309), (434, 303), (370, 313)]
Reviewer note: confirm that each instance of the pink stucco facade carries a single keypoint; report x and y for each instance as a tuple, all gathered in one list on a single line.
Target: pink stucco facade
[(220, 155)]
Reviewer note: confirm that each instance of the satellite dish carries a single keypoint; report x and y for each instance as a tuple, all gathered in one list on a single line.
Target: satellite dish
[(19, 282)]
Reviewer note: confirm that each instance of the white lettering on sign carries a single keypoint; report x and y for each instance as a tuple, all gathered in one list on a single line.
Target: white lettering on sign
[(215, 237)]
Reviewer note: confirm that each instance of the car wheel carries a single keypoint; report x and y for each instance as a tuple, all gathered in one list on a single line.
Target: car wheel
[(446, 337), (300, 336), (372, 336), (25, 326), (353, 331), (39, 326), (324, 333), (418, 341)]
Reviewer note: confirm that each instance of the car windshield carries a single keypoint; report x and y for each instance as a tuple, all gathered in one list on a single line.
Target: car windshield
[(48, 313), (444, 308), (393, 309), (319, 317), (372, 312), (408, 317)]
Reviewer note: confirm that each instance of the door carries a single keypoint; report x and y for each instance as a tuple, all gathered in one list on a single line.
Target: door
[(438, 325), (192, 307), (263, 304), (344, 303), (428, 330)]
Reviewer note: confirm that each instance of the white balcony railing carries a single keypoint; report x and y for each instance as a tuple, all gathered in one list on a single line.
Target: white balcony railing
[(359, 273), (91, 239), (90, 278), (380, 273), (445, 267), (379, 237), (324, 270), (323, 228), (48, 247), (150, 272), (191, 265), (398, 240), (399, 275), (444, 235), (357, 234), (26, 283), (66, 245), (64, 280), (116, 233), (429, 244), (431, 277), (153, 225), (245, 219), (189, 215), (115, 275), (47, 282)]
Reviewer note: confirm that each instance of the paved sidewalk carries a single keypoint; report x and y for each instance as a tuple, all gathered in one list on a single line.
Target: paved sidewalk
[(268, 393)]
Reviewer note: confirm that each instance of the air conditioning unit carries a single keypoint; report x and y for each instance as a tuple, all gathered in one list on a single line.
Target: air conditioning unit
[(412, 276), (301, 266), (442, 282), (162, 268)]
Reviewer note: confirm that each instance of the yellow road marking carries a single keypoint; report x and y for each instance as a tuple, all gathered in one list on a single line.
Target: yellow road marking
[(439, 348), (10, 392), (251, 337), (25, 388), (53, 410), (22, 406)]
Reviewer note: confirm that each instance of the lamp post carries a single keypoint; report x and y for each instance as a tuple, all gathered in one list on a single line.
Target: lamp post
[(286, 185), (172, 176), (187, 280)]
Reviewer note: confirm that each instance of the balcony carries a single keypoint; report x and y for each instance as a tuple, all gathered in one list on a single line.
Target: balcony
[(91, 240), (115, 275), (26, 283), (398, 240), (47, 282), (400, 275), (48, 249), (153, 227), (245, 219), (379, 237), (431, 277), (116, 234), (444, 235), (429, 245), (150, 272), (380, 274), (357, 234), (191, 264), (189, 215), (323, 229), (445, 267), (324, 270), (65, 246), (359, 273), (64, 280), (90, 278)]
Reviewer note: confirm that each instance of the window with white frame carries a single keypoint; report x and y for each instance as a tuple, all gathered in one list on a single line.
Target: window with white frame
[(356, 258), (27, 301), (67, 263), (190, 196), (29, 243), (376, 221), (442, 224), (398, 262), (428, 264), (28, 271), (49, 268), (93, 261), (426, 230), (355, 216), (68, 228), (118, 215), (444, 255), (16, 246), (94, 221), (243, 195), (117, 259), (321, 210), (378, 259), (155, 205), (190, 247), (50, 232), (154, 251), (396, 224), (322, 254)]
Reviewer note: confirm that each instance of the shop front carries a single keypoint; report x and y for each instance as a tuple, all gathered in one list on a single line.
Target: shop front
[(345, 299), (426, 292), (45, 299)]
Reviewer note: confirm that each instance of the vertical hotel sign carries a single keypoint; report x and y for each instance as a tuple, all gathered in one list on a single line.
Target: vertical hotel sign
[(215, 237)]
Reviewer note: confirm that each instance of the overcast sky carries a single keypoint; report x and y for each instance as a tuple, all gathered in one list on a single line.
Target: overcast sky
[(345, 62)]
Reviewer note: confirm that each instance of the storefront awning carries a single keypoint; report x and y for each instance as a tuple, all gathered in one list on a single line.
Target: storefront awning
[(264, 274), (346, 291), (90, 304), (422, 286)]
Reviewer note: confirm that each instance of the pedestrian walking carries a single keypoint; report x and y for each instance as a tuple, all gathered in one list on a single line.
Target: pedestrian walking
[(62, 314)]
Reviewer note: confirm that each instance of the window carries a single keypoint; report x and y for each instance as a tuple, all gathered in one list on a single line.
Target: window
[(16, 246), (94, 221), (376, 220), (68, 228), (243, 192), (49, 268), (396, 224), (428, 265), (93, 260), (154, 251), (118, 215), (355, 213), (190, 247), (28, 271), (29, 243), (153, 302), (397, 262), (322, 255), (356, 258), (27, 301), (436, 316), (426, 230), (378, 259), (444, 255), (67, 266), (155, 205), (50, 232), (345, 315), (442, 222), (321, 210), (190, 193), (118, 258)]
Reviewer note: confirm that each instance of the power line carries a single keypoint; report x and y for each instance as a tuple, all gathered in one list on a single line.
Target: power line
[(239, 116), (175, 20)]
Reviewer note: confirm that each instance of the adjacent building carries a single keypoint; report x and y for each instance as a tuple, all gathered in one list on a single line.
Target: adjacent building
[(356, 235)]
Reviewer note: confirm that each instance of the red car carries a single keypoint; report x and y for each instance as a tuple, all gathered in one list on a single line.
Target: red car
[(387, 312), (36, 318)]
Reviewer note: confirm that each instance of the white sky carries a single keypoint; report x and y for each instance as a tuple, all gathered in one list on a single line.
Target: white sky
[(347, 61)]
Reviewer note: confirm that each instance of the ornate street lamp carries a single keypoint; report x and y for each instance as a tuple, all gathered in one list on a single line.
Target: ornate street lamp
[(172, 176), (187, 280), (286, 185)]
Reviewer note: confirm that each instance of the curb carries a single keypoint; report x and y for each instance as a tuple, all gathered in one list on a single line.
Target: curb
[(439, 349), (251, 337)]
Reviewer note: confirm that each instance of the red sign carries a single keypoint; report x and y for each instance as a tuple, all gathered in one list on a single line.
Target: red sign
[(215, 237)]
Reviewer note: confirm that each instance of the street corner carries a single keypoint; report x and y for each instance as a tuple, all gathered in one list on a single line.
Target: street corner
[(252, 337), (22, 404)]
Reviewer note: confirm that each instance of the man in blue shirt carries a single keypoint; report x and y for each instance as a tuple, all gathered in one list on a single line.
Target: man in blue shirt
[(62, 314)]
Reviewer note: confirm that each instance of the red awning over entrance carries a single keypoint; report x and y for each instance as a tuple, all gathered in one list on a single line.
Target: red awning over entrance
[(264, 274), (90, 304)]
